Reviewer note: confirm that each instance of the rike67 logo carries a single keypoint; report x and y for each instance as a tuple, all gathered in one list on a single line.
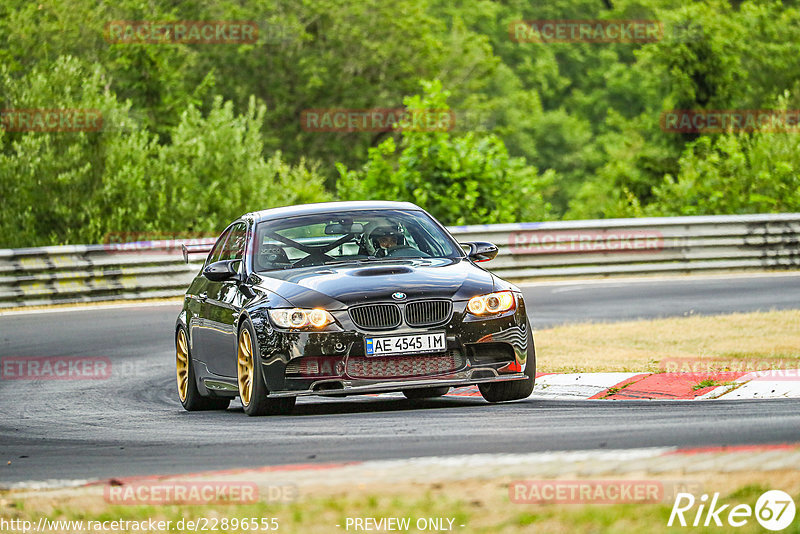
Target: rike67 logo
[(774, 510)]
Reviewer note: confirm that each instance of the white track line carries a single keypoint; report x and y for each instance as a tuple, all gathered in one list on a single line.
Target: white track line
[(90, 307), (650, 279)]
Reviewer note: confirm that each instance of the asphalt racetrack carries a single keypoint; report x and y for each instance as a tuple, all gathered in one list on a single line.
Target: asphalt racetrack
[(133, 424)]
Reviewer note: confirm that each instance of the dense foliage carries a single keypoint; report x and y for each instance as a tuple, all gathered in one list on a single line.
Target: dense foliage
[(194, 134), (463, 179)]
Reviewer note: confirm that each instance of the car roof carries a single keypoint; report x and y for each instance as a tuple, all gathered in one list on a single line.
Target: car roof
[(325, 207)]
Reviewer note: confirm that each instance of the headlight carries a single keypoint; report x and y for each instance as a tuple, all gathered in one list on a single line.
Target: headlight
[(301, 318), (492, 303)]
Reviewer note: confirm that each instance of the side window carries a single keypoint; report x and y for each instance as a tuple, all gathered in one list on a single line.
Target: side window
[(216, 252), (236, 242)]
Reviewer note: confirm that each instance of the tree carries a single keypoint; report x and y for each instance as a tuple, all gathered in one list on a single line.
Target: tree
[(464, 179), (733, 173), (76, 187)]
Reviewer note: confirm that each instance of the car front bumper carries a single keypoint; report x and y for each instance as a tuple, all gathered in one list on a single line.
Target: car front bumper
[(471, 341), (344, 387)]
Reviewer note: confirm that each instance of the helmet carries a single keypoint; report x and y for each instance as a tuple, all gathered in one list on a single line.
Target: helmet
[(386, 231)]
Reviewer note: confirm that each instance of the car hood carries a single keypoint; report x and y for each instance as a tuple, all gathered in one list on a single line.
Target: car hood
[(338, 286)]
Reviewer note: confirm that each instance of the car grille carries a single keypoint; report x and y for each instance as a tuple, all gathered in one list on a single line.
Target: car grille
[(428, 312), (315, 366), (376, 316), (405, 366)]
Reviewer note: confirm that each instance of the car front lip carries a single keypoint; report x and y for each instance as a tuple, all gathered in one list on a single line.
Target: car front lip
[(358, 387)]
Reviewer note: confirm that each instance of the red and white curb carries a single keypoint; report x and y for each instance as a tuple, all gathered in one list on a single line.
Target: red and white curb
[(679, 386), (617, 463), (760, 385)]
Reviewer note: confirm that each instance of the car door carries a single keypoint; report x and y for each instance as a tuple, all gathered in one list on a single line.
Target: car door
[(199, 331), (222, 305)]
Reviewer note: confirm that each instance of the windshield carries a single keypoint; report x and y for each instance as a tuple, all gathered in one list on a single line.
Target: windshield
[(328, 238)]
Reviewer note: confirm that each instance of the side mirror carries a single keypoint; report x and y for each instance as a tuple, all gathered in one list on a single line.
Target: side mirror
[(481, 251), (221, 271)]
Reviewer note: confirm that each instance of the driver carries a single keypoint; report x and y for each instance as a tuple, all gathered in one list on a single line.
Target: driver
[(387, 238)]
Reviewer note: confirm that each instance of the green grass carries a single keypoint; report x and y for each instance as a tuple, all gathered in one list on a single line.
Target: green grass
[(707, 383), (492, 513), (614, 390)]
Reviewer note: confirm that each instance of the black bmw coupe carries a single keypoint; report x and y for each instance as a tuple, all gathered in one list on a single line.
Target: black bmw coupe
[(346, 298)]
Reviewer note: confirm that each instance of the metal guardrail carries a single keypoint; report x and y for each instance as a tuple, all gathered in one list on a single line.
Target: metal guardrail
[(607, 247), (93, 273)]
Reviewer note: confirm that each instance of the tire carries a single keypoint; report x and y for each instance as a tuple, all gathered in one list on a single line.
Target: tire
[(188, 394), (514, 389), (425, 393), (252, 388)]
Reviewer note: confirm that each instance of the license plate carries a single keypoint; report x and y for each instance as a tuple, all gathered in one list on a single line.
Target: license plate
[(435, 342)]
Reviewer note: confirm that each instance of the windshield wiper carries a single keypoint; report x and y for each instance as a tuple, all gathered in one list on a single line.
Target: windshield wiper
[(351, 260), (372, 259), (399, 258)]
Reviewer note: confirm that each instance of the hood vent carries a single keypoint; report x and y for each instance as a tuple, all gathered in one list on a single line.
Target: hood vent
[(382, 271)]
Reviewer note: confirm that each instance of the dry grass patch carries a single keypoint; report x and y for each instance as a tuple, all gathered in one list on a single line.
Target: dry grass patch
[(643, 345)]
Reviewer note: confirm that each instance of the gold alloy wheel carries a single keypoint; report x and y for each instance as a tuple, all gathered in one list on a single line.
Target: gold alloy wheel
[(182, 364), (245, 366)]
